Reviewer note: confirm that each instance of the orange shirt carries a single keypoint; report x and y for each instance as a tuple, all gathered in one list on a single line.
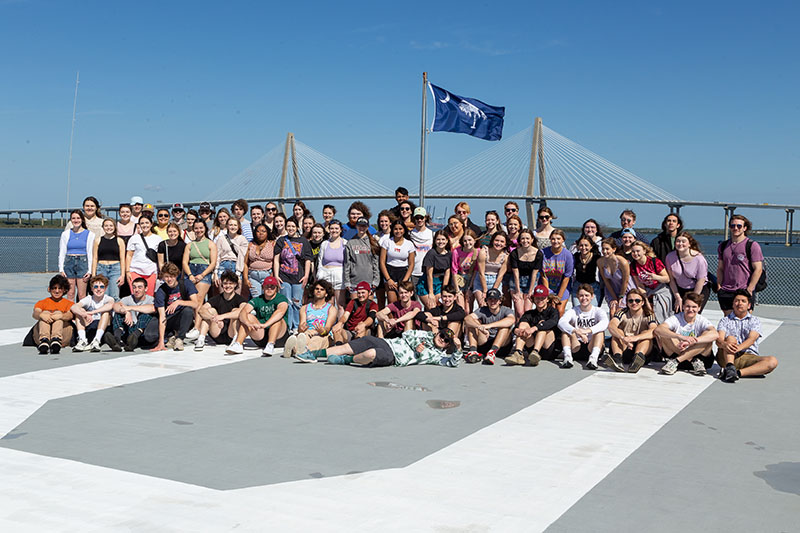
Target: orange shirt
[(48, 304)]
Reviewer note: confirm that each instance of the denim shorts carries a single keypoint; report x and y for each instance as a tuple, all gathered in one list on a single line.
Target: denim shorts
[(422, 285), (76, 266), (490, 279), (196, 269), (226, 266), (256, 278)]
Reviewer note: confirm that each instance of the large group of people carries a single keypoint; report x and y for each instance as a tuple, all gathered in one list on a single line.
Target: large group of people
[(398, 292)]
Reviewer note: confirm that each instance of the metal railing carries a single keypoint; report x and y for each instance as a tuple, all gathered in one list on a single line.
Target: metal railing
[(40, 254)]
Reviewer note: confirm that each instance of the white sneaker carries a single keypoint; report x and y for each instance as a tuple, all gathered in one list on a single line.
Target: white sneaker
[(199, 345), (268, 350), (288, 349), (82, 346), (192, 334), (178, 345), (95, 346), (302, 343), (234, 348)]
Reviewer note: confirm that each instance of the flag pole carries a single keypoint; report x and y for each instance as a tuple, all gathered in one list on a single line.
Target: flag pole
[(422, 142), (72, 136)]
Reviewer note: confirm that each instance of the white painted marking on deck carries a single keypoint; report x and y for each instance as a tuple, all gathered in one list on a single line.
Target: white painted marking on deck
[(13, 336), (518, 474)]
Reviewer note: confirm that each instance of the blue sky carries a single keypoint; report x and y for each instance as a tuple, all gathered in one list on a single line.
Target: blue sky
[(177, 97)]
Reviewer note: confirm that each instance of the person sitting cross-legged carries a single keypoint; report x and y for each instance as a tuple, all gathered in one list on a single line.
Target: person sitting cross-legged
[(358, 317), (220, 315), (175, 300), (413, 347), (399, 316), (132, 324), (448, 314), (93, 315), (536, 330), (631, 333), (488, 329), (737, 345), (317, 318), (264, 319), (53, 328), (687, 336)]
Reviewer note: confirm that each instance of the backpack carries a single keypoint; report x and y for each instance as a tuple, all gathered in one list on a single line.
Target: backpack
[(761, 284)]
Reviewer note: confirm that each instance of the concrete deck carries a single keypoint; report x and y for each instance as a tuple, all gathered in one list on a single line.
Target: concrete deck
[(185, 441)]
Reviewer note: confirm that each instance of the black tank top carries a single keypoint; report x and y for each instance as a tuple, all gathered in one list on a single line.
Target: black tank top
[(108, 250)]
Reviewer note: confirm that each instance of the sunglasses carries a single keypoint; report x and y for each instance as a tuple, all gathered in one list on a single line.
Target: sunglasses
[(419, 217), (626, 219), (511, 210), (634, 300), (405, 209), (98, 286), (163, 216), (737, 226), (544, 217), (461, 212)]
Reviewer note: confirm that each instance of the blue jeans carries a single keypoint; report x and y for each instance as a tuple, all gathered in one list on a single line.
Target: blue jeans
[(256, 278), (226, 266), (597, 299), (76, 266), (112, 272), (294, 293)]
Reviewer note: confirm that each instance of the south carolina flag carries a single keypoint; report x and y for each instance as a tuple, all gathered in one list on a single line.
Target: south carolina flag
[(466, 115)]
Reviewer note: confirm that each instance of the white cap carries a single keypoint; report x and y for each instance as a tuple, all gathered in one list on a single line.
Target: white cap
[(136, 200)]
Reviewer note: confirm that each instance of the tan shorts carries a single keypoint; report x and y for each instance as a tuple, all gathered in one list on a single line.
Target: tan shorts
[(745, 360)]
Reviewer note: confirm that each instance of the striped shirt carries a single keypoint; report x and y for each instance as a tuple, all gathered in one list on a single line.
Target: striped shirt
[(740, 329)]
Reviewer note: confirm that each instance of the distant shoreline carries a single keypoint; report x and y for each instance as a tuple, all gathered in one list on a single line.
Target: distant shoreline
[(55, 224)]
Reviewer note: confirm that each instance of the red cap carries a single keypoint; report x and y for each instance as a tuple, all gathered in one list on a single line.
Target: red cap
[(541, 291), (270, 280), (364, 286)]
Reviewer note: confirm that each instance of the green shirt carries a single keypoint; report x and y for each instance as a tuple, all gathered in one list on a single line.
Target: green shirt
[(263, 308)]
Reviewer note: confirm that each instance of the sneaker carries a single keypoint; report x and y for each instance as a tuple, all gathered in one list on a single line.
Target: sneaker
[(95, 346), (516, 358), (234, 348), (305, 357), (490, 357), (112, 342), (566, 364), (82, 346), (637, 363), (729, 374), (199, 344), (302, 343), (288, 348), (268, 351), (534, 358), (613, 362), (698, 368), (670, 367), (44, 346), (55, 346), (472, 357), (178, 345), (133, 340), (338, 360), (192, 334), (591, 365), (170, 343)]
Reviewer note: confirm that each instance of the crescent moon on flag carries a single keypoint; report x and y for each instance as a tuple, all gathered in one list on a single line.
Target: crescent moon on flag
[(446, 99)]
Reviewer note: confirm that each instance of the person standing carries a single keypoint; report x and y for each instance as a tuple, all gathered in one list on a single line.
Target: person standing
[(740, 263), (664, 242), (292, 264), (75, 257), (108, 258)]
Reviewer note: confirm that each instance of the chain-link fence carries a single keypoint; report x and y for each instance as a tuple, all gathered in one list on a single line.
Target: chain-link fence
[(40, 254)]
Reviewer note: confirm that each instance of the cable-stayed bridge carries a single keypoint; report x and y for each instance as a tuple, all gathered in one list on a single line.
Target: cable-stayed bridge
[(535, 165)]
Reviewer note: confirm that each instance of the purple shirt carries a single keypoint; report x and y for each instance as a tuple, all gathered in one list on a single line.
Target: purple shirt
[(556, 267), (686, 277), (736, 269)]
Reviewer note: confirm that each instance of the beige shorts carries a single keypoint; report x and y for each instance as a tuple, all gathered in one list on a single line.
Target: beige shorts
[(745, 360)]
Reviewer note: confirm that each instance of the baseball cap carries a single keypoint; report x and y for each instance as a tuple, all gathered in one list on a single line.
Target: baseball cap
[(420, 212), (270, 280), (136, 200), (494, 293), (628, 231), (204, 205), (362, 222), (178, 207), (541, 291), (363, 286), (148, 207)]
